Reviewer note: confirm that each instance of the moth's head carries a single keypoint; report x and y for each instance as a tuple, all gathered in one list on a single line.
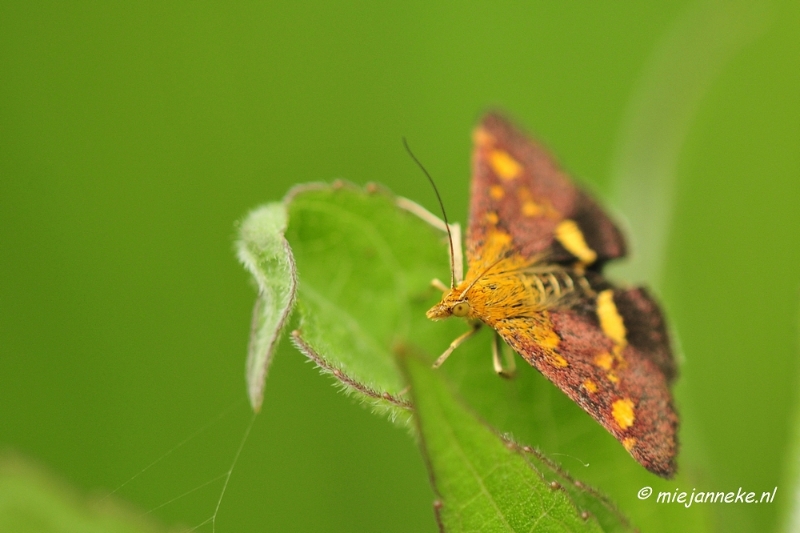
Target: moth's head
[(454, 303)]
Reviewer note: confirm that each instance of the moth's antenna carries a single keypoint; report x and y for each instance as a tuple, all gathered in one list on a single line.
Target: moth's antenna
[(444, 215)]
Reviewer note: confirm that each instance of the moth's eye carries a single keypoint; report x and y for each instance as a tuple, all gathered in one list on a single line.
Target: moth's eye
[(461, 309)]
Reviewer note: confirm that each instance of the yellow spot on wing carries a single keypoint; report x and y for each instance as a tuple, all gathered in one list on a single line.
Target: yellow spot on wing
[(547, 338), (491, 217), (628, 443), (571, 237), (604, 360), (558, 361), (496, 192), (504, 165), (590, 386), (610, 320), (622, 411), (531, 209)]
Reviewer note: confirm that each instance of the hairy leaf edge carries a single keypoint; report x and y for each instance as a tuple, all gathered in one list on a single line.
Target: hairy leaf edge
[(256, 376)]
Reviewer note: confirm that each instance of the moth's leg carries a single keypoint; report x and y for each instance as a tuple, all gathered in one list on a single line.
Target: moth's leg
[(436, 222), (475, 326), (510, 370), (436, 283), (458, 255), (421, 212)]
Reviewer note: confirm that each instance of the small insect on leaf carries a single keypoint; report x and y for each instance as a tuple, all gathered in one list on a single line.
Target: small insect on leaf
[(536, 246)]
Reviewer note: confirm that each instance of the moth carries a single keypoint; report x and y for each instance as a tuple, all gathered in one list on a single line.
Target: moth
[(536, 246)]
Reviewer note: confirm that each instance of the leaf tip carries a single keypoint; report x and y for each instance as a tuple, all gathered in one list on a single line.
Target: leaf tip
[(265, 253)]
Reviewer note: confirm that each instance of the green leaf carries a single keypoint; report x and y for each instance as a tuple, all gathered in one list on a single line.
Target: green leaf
[(32, 501), (364, 272), (263, 250), (490, 484)]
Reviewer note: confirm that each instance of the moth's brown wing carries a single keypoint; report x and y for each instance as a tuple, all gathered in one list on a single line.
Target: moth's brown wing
[(518, 187), (620, 376)]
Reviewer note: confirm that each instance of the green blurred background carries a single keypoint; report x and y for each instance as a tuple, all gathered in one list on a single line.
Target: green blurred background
[(133, 137)]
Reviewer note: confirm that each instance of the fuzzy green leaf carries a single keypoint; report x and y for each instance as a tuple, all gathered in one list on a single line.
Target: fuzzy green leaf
[(364, 271), (263, 250), (487, 483)]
